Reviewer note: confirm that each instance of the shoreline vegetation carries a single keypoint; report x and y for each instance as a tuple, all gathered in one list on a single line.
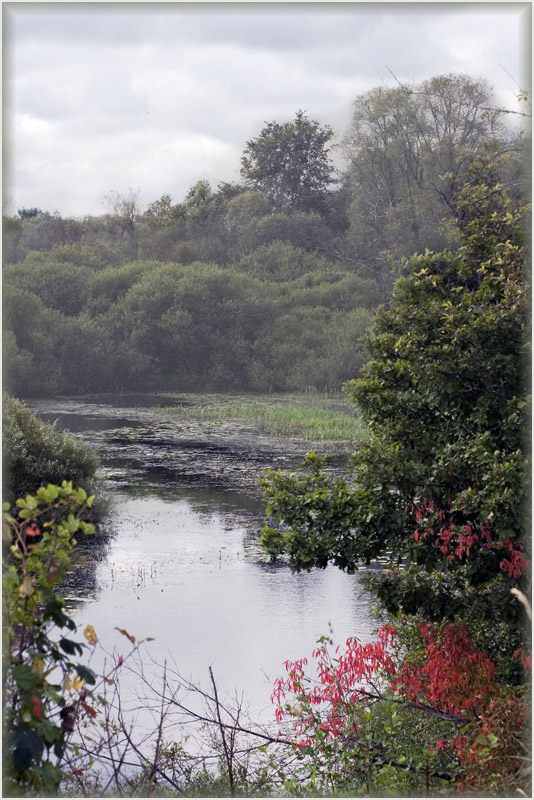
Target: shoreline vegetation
[(309, 416)]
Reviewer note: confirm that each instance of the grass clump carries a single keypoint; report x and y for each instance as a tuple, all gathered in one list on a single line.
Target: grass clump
[(301, 417)]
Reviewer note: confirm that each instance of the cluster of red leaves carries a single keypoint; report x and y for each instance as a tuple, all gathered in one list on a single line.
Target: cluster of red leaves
[(339, 684), (455, 678), (516, 563), (452, 678), (525, 658), (457, 540)]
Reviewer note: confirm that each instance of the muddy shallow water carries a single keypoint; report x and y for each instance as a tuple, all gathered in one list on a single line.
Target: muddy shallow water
[(182, 563)]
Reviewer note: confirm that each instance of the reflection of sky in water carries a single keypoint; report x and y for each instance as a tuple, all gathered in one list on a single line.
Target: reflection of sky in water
[(183, 564), (206, 596)]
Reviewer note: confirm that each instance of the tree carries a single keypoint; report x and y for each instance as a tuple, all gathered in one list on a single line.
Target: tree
[(408, 149), (62, 287), (125, 216), (281, 262), (289, 163), (28, 213), (12, 231), (161, 211), (91, 257), (305, 229), (443, 480)]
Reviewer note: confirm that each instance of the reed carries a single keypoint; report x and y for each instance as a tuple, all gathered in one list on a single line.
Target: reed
[(301, 416)]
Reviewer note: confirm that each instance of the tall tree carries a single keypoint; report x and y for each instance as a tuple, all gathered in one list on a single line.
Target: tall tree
[(409, 148), (289, 163), (126, 216)]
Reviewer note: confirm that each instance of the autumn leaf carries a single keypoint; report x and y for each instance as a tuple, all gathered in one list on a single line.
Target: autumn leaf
[(76, 683), (37, 707), (125, 633), (90, 635), (90, 711), (38, 667)]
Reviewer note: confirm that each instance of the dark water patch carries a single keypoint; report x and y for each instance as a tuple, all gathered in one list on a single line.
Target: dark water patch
[(78, 423), (131, 400)]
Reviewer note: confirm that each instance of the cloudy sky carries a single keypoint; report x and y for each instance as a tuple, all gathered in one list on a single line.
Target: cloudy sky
[(156, 96)]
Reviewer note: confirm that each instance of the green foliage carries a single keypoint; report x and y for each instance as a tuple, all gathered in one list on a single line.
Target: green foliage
[(90, 256), (12, 229), (289, 164), (443, 480), (280, 261), (35, 453), (108, 285), (29, 329), (308, 346), (246, 206), (60, 286), (43, 681), (304, 417), (72, 288), (304, 229), (53, 352), (410, 147), (336, 290), (193, 327)]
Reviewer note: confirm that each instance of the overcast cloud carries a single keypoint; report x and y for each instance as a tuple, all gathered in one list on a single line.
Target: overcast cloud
[(104, 96)]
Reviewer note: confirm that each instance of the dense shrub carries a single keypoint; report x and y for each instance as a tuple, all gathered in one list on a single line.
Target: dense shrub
[(35, 453)]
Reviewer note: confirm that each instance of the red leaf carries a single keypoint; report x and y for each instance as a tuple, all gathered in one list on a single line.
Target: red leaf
[(90, 711), (37, 707)]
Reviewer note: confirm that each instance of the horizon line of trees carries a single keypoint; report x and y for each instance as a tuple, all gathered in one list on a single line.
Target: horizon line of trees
[(263, 285)]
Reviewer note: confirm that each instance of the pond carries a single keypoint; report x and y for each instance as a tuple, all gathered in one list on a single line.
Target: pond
[(182, 563)]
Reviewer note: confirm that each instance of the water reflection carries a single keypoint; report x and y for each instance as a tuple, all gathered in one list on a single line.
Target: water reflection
[(182, 563), (202, 590)]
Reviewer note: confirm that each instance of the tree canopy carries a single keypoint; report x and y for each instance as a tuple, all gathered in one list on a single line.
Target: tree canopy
[(289, 163), (409, 148)]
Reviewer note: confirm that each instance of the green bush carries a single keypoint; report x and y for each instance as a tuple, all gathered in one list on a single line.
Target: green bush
[(39, 713), (35, 453)]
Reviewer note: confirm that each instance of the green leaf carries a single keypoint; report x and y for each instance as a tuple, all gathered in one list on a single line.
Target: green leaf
[(70, 647), (51, 732), (51, 775), (27, 747), (85, 673), (25, 678)]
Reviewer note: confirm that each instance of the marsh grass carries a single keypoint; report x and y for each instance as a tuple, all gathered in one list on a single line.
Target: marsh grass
[(307, 417)]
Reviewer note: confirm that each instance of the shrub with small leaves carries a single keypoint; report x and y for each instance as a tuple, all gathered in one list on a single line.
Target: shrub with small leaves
[(45, 686)]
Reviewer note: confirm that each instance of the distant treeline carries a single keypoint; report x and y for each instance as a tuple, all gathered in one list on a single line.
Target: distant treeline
[(263, 285)]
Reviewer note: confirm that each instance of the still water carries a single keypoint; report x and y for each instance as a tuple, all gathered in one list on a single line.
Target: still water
[(182, 563)]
